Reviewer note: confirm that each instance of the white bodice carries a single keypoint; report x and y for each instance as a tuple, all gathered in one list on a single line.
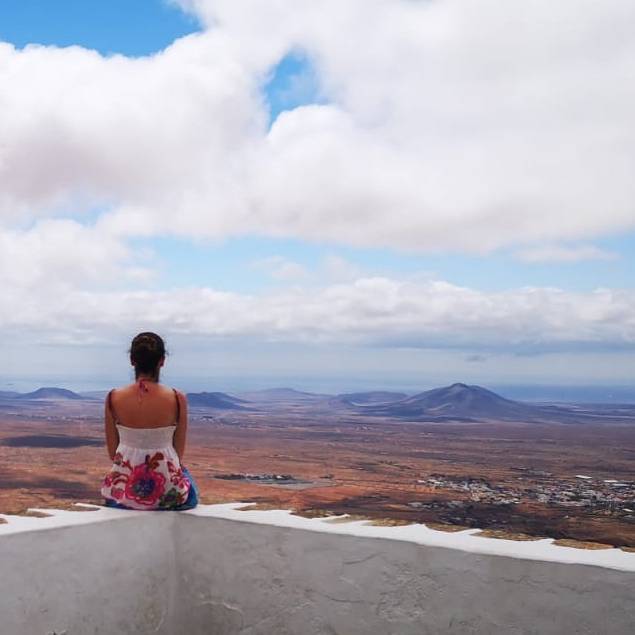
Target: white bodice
[(146, 438)]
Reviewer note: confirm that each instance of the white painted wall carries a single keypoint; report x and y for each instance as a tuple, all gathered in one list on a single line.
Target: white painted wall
[(215, 571), (106, 577)]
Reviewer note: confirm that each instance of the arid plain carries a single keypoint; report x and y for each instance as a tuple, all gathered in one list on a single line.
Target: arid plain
[(572, 478)]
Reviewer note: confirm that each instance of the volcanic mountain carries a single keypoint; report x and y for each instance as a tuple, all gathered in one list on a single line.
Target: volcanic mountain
[(49, 394), (458, 401), (219, 400)]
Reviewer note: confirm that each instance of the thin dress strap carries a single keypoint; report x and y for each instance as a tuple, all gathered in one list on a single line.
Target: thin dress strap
[(178, 406), (110, 406)]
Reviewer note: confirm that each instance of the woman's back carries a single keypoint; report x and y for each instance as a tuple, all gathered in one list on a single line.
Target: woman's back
[(145, 426), (146, 471), (145, 404)]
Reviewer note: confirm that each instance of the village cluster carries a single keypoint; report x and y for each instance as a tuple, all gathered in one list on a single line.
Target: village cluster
[(263, 478), (602, 495)]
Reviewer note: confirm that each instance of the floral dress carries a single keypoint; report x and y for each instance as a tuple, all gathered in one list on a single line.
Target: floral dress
[(146, 472)]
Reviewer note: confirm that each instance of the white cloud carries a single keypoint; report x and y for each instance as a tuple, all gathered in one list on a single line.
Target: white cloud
[(460, 125), (338, 269), (62, 252), (564, 253), (377, 310), (456, 124)]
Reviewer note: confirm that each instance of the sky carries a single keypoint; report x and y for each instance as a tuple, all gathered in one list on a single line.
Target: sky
[(376, 193)]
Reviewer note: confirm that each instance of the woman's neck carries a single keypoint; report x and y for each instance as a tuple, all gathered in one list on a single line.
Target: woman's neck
[(147, 378)]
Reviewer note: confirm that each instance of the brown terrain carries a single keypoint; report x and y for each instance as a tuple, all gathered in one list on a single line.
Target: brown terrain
[(572, 481)]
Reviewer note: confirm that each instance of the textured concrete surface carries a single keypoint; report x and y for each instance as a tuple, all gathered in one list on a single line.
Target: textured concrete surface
[(257, 580), (468, 540), (109, 577), (193, 573)]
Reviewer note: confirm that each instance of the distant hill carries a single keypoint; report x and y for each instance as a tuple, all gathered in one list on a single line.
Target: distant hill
[(49, 393), (283, 394), (462, 402), (219, 400), (370, 397)]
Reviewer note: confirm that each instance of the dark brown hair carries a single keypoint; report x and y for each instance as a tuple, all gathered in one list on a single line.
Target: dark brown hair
[(146, 351)]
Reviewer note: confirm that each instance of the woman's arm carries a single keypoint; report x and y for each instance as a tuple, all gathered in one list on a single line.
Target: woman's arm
[(181, 426), (112, 436)]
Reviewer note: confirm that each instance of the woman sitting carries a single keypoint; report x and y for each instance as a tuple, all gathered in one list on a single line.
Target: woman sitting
[(147, 452)]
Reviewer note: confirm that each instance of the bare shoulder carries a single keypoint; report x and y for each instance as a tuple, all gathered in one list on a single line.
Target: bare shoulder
[(171, 391), (116, 393), (182, 396)]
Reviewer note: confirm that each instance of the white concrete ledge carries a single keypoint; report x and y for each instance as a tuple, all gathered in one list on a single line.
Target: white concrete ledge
[(218, 570), (468, 540)]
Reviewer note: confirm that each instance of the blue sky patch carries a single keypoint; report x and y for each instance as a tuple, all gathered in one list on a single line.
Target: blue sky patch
[(294, 82), (129, 27), (238, 265)]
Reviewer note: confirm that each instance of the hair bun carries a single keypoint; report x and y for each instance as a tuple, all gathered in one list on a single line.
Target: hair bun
[(146, 351)]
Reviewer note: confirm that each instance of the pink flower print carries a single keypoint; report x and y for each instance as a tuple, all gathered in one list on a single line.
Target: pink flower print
[(179, 480), (152, 462), (116, 493), (114, 478), (119, 461), (145, 485), (176, 476)]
